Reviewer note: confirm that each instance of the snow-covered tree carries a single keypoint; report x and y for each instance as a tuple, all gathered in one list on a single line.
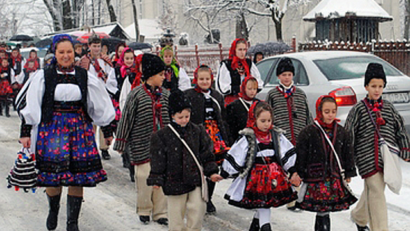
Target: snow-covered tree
[(168, 20)]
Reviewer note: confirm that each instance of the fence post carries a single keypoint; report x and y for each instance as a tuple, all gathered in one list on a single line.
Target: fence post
[(294, 44), (176, 52), (197, 55), (220, 52)]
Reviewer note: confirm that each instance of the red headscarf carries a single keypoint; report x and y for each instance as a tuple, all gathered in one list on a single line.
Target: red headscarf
[(117, 57), (1, 66), (235, 59), (195, 80), (18, 58), (243, 88), (263, 137), (34, 68), (319, 115), (137, 80)]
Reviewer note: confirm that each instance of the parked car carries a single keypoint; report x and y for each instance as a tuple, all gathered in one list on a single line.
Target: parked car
[(339, 73)]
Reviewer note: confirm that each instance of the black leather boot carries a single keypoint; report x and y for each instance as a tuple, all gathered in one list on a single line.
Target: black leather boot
[(105, 154), (73, 211), (7, 110), (254, 225), (210, 207), (54, 206), (362, 228), (266, 227), (322, 223)]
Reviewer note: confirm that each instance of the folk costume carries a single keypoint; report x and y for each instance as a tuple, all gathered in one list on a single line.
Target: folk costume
[(372, 207), (175, 76), (132, 78), (174, 169), (5, 92), (316, 164), (260, 162), (232, 72), (238, 111), (290, 109), (146, 109)]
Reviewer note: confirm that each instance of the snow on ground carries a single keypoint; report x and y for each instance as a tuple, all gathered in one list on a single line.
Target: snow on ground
[(111, 205)]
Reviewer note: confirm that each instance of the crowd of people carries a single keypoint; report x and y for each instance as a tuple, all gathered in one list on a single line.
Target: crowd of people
[(178, 142)]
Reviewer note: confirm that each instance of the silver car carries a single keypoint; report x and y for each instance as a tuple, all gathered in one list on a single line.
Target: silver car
[(340, 73)]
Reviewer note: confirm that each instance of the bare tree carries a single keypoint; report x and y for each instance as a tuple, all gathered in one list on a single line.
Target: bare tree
[(111, 11), (137, 30)]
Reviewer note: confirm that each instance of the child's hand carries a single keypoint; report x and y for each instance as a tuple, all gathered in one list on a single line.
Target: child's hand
[(348, 179), (156, 187), (295, 179), (216, 177), (25, 141), (108, 141)]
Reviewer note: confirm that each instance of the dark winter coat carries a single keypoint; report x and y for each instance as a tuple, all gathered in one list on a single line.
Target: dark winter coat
[(237, 116), (313, 162), (198, 110), (172, 166)]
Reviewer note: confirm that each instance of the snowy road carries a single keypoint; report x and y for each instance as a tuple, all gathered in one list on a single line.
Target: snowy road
[(111, 205)]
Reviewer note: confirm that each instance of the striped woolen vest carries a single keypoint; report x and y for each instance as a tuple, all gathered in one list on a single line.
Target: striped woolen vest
[(362, 131), (282, 113), (137, 129)]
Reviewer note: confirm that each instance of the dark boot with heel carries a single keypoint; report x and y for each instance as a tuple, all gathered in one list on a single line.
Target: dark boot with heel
[(266, 227), (54, 206), (254, 225), (322, 223), (73, 212)]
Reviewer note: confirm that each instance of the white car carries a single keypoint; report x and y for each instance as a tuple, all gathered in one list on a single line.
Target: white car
[(340, 73)]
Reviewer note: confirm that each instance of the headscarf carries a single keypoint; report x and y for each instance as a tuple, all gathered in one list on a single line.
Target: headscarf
[(120, 61), (137, 80), (35, 60), (117, 57), (173, 64), (56, 40), (195, 80), (319, 114), (251, 123), (235, 59), (242, 93)]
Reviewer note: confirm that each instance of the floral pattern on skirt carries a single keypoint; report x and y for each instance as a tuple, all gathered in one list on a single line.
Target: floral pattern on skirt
[(326, 196), (220, 148), (267, 186), (66, 152)]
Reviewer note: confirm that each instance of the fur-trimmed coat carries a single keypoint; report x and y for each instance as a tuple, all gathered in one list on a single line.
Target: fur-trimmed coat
[(172, 166)]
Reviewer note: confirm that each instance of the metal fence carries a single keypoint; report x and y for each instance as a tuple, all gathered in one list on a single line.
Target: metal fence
[(396, 53)]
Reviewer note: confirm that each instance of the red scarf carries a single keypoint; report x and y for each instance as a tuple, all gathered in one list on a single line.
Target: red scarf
[(236, 60), (137, 80), (242, 93), (4, 69), (376, 106), (319, 114), (155, 96), (36, 65), (16, 59), (263, 137), (195, 80)]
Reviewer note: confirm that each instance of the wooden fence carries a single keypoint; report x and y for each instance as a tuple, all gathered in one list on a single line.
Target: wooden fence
[(396, 53)]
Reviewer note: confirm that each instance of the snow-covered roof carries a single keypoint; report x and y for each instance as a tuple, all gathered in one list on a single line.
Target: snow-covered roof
[(148, 27), (341, 8)]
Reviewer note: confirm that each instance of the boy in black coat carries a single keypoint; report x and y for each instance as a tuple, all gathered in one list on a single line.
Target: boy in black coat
[(174, 169)]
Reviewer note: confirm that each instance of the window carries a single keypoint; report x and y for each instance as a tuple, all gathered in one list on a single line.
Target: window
[(264, 67), (300, 77)]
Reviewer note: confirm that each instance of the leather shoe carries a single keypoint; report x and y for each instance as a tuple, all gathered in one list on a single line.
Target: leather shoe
[(162, 221), (105, 155), (210, 207), (362, 228), (144, 219)]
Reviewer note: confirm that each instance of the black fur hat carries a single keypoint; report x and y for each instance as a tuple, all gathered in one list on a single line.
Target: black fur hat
[(177, 102), (151, 65), (374, 71), (285, 64)]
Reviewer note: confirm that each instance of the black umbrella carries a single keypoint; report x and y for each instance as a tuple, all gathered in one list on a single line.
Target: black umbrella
[(139, 46), (44, 42), (112, 43), (269, 48), (21, 37)]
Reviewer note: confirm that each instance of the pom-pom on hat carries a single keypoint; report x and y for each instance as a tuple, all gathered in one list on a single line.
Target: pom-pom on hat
[(151, 65), (177, 102), (374, 71), (285, 64)]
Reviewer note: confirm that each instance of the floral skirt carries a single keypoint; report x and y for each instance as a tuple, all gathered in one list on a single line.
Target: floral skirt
[(66, 152), (327, 196), (267, 186), (117, 118), (220, 148)]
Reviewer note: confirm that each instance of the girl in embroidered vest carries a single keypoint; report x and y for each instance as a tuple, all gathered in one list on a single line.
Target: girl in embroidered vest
[(238, 110), (145, 112), (60, 105), (234, 70), (260, 161), (208, 109), (317, 166), (372, 207), (5, 87), (175, 76)]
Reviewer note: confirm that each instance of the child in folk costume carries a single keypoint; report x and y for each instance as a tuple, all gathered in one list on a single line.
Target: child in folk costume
[(145, 112), (175, 76), (17, 64), (5, 89), (386, 121), (318, 165), (238, 110), (33, 57), (234, 70), (118, 51), (29, 69), (290, 108), (100, 65), (174, 168), (208, 109), (261, 159)]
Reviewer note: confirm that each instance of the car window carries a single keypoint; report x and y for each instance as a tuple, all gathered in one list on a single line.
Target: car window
[(351, 67), (265, 66), (300, 77)]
